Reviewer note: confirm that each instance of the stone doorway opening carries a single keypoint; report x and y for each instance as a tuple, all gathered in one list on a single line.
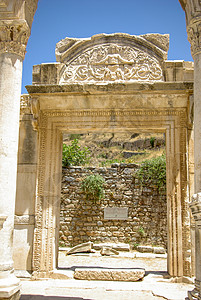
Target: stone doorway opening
[(53, 123), (137, 214), (112, 83)]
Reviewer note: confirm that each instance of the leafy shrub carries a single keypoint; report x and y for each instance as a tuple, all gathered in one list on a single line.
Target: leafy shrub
[(152, 141), (93, 187), (141, 231), (153, 171), (75, 155)]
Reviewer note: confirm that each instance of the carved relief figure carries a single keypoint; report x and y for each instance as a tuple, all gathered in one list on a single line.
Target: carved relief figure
[(112, 62)]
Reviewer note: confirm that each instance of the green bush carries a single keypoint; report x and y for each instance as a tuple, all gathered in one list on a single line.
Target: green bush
[(75, 155), (153, 171), (152, 141), (93, 187)]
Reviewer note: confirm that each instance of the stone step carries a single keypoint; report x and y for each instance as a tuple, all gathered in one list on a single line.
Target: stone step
[(122, 274)]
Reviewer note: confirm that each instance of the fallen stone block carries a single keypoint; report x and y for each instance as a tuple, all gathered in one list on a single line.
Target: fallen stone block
[(118, 247), (145, 249), (159, 250), (108, 251), (85, 247), (109, 274)]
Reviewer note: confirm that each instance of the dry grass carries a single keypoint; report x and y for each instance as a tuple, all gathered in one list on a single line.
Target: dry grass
[(104, 152)]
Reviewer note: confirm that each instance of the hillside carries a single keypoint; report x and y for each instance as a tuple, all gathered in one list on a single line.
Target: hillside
[(107, 148)]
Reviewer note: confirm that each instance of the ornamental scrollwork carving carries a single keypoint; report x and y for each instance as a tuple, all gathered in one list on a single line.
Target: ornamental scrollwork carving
[(112, 63), (35, 110), (14, 38), (25, 106), (195, 207), (194, 36)]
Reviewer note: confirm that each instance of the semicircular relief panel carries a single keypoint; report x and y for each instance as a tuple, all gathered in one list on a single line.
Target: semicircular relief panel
[(112, 62)]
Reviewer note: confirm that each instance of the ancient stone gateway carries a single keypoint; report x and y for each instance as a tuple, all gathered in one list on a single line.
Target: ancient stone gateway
[(112, 83)]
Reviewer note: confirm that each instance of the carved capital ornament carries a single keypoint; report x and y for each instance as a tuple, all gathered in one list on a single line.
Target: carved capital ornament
[(192, 10), (14, 37), (194, 36)]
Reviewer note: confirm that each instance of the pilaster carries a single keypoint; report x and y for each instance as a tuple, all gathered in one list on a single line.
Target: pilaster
[(195, 206), (192, 10)]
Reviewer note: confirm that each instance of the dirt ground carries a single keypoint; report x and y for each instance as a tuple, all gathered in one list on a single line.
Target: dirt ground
[(150, 262)]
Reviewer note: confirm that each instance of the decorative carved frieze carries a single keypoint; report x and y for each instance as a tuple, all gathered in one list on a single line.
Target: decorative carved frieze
[(115, 57), (35, 108), (25, 106), (195, 207), (112, 63), (24, 220), (14, 37)]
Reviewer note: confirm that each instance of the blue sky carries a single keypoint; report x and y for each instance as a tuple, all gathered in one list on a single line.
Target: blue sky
[(57, 19)]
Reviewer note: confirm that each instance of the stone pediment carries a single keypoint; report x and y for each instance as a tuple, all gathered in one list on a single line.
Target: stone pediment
[(114, 57)]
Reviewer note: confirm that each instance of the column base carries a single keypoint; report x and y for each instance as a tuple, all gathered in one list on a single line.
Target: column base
[(15, 296), (9, 286), (195, 293)]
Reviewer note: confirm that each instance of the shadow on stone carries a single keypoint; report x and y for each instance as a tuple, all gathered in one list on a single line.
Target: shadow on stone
[(41, 297), (164, 274)]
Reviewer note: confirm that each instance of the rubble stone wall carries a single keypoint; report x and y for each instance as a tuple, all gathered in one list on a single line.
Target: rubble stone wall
[(82, 220)]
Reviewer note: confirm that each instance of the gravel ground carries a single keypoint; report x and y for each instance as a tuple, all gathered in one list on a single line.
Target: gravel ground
[(150, 262)]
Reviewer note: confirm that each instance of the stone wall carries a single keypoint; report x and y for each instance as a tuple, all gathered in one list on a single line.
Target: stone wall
[(82, 220)]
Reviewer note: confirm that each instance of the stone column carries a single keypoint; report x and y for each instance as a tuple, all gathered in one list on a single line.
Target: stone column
[(194, 36), (13, 39), (192, 10)]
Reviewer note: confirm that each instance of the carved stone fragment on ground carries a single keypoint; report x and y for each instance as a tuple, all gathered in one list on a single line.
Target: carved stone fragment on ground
[(108, 251), (85, 247), (109, 274), (150, 249), (118, 247)]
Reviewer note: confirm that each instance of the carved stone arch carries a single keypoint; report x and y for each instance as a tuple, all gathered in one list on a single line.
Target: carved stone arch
[(114, 57)]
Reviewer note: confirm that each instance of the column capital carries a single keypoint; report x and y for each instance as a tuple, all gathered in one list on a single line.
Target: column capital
[(195, 207), (14, 36), (192, 10), (16, 19), (194, 35)]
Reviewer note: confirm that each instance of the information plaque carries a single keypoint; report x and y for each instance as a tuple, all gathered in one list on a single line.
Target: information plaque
[(115, 213)]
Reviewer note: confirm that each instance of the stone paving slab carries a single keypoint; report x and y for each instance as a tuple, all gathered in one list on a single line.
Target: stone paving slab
[(155, 285), (103, 290)]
